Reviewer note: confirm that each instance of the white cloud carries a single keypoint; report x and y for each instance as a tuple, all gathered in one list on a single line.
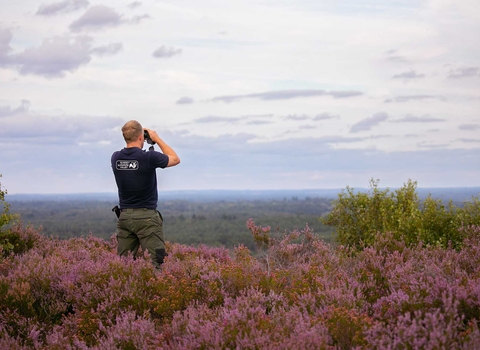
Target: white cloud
[(287, 94), (216, 119), (61, 7), (325, 116), (97, 18), (411, 74), (464, 72), (368, 123), (6, 111), (414, 119), (134, 5), (469, 127), (408, 98), (54, 57), (139, 18), (297, 117), (107, 50), (166, 52), (185, 100)]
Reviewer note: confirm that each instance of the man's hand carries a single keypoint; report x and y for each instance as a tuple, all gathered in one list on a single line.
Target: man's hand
[(153, 134), (173, 158)]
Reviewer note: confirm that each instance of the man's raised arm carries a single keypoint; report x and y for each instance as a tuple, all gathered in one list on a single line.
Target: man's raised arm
[(173, 158)]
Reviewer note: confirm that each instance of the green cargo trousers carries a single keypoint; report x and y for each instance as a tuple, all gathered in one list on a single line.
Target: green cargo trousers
[(141, 227)]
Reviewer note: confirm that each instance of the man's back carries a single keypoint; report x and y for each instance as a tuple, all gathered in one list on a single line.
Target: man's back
[(134, 171)]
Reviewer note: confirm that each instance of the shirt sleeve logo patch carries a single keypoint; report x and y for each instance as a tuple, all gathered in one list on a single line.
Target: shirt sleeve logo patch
[(127, 164)]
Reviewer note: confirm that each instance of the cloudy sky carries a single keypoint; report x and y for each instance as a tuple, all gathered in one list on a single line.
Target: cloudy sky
[(265, 94)]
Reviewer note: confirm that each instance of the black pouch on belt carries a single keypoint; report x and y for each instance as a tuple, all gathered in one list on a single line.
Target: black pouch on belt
[(116, 210)]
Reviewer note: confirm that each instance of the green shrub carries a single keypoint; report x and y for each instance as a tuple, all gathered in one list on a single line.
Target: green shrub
[(8, 241), (358, 216)]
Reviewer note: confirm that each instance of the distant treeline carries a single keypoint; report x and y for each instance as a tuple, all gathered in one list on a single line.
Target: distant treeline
[(215, 218), (219, 223)]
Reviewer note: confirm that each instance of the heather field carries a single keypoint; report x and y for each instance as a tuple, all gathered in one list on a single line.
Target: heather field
[(384, 291)]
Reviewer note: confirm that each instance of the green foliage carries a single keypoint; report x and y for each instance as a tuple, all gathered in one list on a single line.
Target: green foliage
[(5, 217), (358, 216), (8, 242)]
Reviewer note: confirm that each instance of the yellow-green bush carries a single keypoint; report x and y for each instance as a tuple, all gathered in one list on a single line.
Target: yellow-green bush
[(9, 242), (358, 216)]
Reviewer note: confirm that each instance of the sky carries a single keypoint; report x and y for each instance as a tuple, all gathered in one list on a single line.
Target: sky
[(252, 95)]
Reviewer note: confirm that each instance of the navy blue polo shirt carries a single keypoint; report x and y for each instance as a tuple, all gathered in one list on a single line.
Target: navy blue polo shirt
[(134, 171)]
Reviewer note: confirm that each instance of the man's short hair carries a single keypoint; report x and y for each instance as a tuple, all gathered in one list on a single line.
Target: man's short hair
[(132, 131)]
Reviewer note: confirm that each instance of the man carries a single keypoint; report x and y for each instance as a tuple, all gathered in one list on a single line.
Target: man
[(139, 223)]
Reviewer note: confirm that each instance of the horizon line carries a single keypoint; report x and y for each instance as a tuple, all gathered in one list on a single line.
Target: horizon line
[(240, 190)]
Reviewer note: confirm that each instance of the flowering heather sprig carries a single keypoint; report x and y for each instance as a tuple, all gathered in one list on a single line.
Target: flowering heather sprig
[(260, 234)]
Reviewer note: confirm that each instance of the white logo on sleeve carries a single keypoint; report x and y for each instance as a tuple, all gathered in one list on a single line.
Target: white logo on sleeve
[(127, 164)]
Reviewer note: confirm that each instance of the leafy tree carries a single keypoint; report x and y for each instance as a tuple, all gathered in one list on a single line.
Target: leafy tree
[(358, 217), (9, 240), (5, 217)]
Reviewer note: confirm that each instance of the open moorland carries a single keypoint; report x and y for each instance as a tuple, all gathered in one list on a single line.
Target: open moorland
[(402, 274)]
